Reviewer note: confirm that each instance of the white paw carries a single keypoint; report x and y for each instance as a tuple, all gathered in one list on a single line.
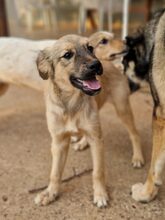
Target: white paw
[(80, 145), (101, 200), (74, 139), (141, 194), (137, 162), (45, 197)]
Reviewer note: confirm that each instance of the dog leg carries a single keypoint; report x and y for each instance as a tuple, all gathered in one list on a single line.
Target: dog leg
[(125, 114), (146, 192), (97, 151), (59, 151), (79, 144)]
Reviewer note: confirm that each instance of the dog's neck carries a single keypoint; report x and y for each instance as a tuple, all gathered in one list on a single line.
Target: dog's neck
[(70, 101)]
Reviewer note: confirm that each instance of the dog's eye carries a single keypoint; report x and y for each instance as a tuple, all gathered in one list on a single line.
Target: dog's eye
[(68, 55), (90, 48), (104, 41)]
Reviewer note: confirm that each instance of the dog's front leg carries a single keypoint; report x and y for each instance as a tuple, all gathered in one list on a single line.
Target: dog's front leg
[(124, 112), (97, 151), (59, 151)]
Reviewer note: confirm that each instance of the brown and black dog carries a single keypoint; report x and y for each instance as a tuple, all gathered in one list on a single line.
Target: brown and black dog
[(145, 63)]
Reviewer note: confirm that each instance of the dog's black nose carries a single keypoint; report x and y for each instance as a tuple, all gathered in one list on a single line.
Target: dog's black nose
[(96, 66)]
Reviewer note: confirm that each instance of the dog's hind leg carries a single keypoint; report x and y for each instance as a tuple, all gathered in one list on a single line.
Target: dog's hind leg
[(79, 143), (146, 192), (3, 88), (124, 112)]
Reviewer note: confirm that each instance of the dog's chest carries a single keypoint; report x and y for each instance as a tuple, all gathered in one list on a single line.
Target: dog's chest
[(73, 125)]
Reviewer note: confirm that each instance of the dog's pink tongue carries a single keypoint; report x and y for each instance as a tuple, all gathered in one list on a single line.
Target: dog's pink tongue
[(92, 84)]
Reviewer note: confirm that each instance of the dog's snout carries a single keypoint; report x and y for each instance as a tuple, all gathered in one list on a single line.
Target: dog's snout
[(95, 66)]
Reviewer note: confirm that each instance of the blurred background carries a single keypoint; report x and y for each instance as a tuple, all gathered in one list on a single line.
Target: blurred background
[(39, 19)]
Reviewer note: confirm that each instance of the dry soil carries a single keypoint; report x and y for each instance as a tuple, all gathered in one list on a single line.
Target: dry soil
[(25, 162)]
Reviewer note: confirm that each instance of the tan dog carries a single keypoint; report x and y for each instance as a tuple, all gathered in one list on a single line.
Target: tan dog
[(71, 68), (105, 48)]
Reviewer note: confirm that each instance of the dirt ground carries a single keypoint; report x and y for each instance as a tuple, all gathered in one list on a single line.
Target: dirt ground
[(25, 162)]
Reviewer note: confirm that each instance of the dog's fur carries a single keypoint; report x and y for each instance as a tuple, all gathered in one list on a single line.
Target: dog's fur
[(105, 46), (71, 110), (17, 62), (139, 50), (108, 48), (153, 43)]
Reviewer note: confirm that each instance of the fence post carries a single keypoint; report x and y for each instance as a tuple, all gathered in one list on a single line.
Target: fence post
[(3, 19)]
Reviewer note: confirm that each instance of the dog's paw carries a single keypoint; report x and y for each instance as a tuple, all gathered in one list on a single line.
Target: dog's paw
[(82, 144), (74, 139), (45, 197), (79, 147), (140, 193), (138, 162), (101, 200)]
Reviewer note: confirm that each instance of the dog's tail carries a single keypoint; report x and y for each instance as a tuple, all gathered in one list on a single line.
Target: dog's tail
[(3, 88)]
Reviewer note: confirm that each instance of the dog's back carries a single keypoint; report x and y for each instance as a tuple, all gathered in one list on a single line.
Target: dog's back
[(157, 73), (140, 45), (18, 61)]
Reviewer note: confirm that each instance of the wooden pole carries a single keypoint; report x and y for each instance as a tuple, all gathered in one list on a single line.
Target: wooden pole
[(149, 4), (3, 19)]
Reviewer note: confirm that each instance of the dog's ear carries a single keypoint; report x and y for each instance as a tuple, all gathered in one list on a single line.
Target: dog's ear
[(45, 64)]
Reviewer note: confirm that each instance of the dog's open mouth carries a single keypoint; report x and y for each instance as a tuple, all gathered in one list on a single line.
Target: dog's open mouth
[(118, 55), (92, 84), (89, 86)]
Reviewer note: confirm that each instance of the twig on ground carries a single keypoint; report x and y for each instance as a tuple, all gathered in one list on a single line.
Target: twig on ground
[(75, 175)]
